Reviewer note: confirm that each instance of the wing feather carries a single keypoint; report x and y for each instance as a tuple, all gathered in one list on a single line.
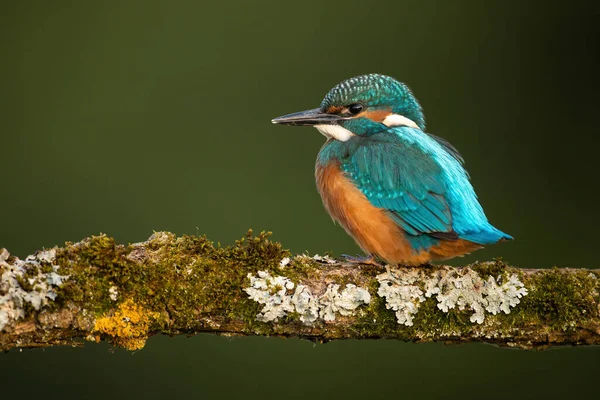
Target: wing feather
[(403, 179)]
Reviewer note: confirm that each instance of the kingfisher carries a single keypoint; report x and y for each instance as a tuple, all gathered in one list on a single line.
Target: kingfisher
[(401, 193)]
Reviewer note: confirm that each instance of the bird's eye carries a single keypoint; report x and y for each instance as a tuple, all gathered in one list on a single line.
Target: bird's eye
[(355, 108)]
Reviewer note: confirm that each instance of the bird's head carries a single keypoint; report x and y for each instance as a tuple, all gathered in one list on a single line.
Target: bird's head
[(363, 105)]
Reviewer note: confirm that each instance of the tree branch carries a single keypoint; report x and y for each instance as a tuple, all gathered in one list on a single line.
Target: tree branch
[(97, 290)]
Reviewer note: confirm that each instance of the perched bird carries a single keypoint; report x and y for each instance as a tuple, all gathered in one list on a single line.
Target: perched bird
[(401, 193)]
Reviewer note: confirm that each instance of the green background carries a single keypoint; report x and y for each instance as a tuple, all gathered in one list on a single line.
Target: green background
[(128, 117)]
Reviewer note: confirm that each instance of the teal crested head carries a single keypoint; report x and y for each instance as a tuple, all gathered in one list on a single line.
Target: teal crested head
[(363, 105)]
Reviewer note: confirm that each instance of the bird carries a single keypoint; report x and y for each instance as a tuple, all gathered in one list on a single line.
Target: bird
[(401, 193)]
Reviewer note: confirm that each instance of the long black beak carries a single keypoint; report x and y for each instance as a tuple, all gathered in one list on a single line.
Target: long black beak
[(308, 117)]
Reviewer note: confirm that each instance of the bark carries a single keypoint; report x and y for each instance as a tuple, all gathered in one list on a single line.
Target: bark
[(97, 290)]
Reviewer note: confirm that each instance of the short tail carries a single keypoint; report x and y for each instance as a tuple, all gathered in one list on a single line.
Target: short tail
[(487, 235)]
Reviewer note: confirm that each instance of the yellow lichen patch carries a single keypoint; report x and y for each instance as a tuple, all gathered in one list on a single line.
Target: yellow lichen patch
[(128, 326)]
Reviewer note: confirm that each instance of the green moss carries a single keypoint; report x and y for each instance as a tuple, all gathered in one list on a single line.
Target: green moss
[(342, 279), (431, 321), (93, 266), (181, 278), (300, 268), (24, 283), (561, 298), (46, 268), (490, 268), (375, 320)]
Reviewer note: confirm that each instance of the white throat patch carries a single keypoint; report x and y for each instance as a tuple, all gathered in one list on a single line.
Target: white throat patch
[(399, 120), (336, 132)]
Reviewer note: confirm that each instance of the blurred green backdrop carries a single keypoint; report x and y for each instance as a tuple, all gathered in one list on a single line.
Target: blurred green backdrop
[(128, 117)]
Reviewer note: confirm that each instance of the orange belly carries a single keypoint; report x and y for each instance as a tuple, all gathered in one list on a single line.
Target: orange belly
[(372, 228)]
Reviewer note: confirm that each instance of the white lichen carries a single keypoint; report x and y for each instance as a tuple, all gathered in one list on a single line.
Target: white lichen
[(462, 289), (275, 292), (324, 259), (39, 287), (306, 304), (344, 303), (113, 293), (401, 294), (284, 262), (318, 258), (403, 290)]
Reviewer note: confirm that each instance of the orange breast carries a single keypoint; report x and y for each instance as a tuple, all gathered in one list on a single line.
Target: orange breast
[(371, 227)]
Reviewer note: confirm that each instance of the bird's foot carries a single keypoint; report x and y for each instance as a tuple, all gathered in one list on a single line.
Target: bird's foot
[(368, 260)]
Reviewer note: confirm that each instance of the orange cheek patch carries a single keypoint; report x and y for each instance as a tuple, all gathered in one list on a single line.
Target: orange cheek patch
[(334, 110), (376, 115)]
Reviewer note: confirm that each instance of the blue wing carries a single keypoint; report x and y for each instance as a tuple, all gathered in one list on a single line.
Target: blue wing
[(402, 179), (401, 171)]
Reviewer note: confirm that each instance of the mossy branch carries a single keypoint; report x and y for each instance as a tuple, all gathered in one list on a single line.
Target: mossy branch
[(98, 290)]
